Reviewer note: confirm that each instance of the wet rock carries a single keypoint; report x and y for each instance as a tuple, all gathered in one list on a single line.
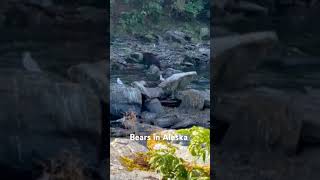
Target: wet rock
[(153, 106), (191, 99), (177, 36), (154, 70), (177, 82), (235, 56), (169, 72), (124, 99), (93, 76)]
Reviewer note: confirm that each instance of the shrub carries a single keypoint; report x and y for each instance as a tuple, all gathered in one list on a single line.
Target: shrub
[(142, 12), (165, 161)]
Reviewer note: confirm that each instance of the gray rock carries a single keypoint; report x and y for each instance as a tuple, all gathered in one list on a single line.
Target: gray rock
[(169, 72), (166, 121), (148, 117), (155, 92), (154, 70), (148, 92), (124, 99), (191, 99), (93, 76), (177, 36), (177, 82), (153, 106)]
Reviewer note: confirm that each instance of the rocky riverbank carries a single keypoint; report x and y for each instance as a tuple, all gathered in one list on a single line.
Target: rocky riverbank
[(163, 79)]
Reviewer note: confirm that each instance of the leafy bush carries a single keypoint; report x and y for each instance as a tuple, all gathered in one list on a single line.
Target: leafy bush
[(165, 161), (169, 165), (142, 12), (200, 141)]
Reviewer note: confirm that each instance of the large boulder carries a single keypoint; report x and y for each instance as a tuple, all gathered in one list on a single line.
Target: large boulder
[(235, 56), (93, 76), (177, 82), (38, 108), (191, 99), (153, 106), (124, 99)]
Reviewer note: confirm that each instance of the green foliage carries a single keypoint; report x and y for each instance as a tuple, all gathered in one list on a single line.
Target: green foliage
[(200, 141), (131, 20), (189, 8), (149, 12), (165, 161), (168, 165), (194, 7), (198, 174)]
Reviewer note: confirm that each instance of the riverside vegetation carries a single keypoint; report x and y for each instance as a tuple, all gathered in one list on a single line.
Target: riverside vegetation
[(161, 157)]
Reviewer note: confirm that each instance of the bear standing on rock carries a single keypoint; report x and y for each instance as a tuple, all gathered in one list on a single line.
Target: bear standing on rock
[(151, 59)]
